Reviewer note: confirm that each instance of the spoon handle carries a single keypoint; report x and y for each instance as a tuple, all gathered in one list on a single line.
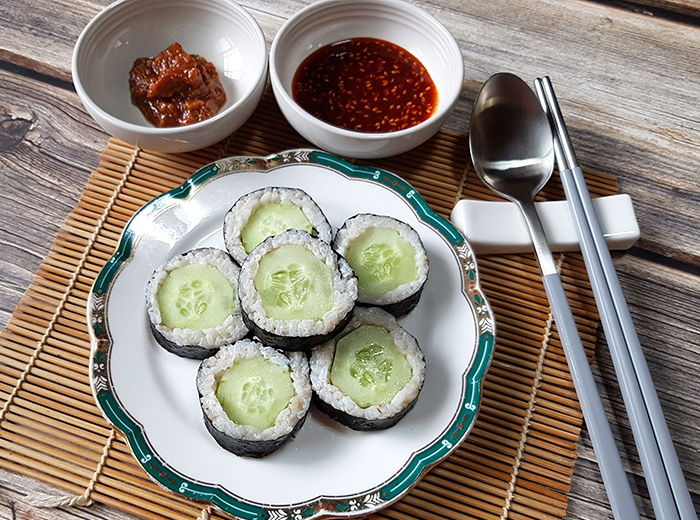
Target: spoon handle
[(611, 469)]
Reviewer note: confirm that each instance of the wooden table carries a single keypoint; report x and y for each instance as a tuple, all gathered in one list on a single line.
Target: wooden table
[(627, 77)]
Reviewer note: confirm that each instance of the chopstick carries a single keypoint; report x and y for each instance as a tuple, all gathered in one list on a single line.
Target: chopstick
[(667, 487)]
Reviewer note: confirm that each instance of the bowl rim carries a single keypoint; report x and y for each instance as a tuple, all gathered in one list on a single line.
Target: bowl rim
[(90, 104), (438, 115)]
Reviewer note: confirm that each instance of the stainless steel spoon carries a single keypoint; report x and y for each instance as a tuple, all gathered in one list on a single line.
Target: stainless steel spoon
[(512, 149)]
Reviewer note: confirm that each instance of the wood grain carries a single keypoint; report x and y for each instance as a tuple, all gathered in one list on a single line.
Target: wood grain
[(48, 146), (688, 9), (663, 303), (629, 100), (15, 488), (628, 86)]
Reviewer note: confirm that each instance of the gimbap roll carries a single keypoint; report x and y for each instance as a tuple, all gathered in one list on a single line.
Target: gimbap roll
[(270, 211), (370, 375), (253, 398), (295, 291), (389, 261), (192, 303)]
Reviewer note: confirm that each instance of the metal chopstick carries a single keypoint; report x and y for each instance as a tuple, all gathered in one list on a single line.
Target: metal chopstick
[(667, 487)]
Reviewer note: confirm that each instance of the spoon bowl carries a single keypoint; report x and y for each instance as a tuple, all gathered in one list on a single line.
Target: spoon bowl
[(510, 138), (512, 149)]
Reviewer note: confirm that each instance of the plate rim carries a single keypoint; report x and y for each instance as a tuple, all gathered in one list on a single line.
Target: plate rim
[(406, 477)]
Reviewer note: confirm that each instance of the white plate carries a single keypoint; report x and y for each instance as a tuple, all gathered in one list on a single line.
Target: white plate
[(328, 469)]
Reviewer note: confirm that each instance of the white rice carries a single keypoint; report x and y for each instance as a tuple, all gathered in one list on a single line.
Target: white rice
[(344, 287), (208, 381), (355, 226), (232, 329), (322, 359), (238, 216)]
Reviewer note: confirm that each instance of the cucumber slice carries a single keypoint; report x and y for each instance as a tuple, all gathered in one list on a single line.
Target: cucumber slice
[(195, 296), (254, 391), (367, 366), (382, 260), (272, 219), (293, 284)]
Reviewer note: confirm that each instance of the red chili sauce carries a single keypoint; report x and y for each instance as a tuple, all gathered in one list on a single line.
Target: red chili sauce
[(365, 84), (175, 88)]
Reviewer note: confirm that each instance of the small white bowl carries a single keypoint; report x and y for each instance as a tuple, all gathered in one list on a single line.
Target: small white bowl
[(396, 21), (220, 30)]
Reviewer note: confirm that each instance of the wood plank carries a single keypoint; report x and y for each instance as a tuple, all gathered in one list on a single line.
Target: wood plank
[(647, 137), (7, 511), (14, 490), (40, 36), (629, 100), (687, 8), (48, 147), (628, 88), (664, 309)]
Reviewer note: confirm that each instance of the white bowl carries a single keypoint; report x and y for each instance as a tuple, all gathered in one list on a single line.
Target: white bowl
[(220, 30), (396, 21)]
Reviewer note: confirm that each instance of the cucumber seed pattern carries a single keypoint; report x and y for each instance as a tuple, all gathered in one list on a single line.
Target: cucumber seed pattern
[(256, 396), (193, 299), (293, 286), (273, 225), (371, 367), (380, 260), (272, 219)]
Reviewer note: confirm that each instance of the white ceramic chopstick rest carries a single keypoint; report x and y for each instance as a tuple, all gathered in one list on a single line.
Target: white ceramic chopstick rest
[(493, 227)]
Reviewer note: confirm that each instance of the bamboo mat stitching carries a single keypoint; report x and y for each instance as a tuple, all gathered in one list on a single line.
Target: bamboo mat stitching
[(521, 507), (68, 289), (50, 501), (547, 334), (46, 500), (460, 189)]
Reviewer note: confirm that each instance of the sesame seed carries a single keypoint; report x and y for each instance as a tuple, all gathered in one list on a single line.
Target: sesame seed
[(364, 79)]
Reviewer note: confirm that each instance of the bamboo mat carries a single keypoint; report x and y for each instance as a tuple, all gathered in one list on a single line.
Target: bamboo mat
[(517, 463)]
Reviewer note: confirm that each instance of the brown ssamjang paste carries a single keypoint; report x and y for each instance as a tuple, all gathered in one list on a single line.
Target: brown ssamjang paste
[(175, 88)]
